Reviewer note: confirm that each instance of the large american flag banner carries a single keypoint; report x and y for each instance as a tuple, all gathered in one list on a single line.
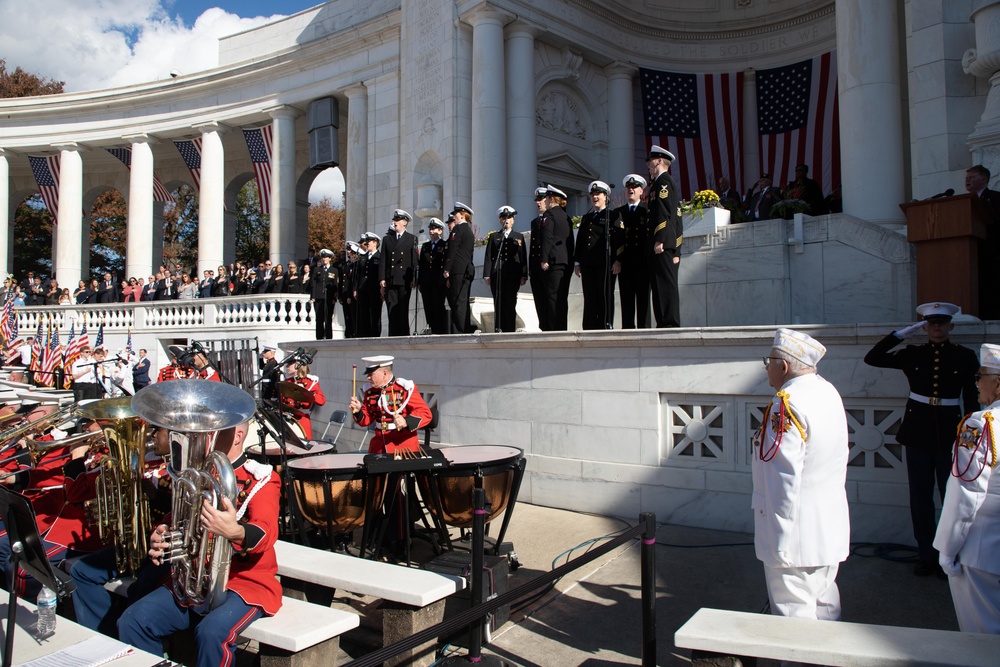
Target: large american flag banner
[(798, 120), (125, 155), (698, 118), (260, 146), (8, 318), (46, 171), (190, 150)]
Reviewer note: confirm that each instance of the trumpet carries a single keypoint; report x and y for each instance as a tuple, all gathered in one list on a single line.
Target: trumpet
[(194, 411), (37, 449), (10, 436)]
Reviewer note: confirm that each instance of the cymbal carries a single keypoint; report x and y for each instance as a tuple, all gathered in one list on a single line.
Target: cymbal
[(294, 392)]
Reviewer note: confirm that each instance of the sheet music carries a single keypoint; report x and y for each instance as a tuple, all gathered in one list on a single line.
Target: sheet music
[(96, 650)]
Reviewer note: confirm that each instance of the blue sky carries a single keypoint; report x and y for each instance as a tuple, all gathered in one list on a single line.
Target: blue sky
[(189, 10)]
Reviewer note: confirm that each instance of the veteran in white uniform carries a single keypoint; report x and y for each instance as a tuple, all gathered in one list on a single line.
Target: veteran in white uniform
[(801, 521), (968, 534)]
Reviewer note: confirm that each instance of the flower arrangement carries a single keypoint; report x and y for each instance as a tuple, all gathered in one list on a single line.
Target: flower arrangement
[(700, 201), (787, 208)]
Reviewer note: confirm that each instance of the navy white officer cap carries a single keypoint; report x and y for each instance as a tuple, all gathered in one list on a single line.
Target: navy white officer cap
[(540, 193), (459, 206), (599, 186), (353, 247), (400, 214), (326, 252), (506, 211), (551, 190), (633, 180), (938, 310), (370, 236), (435, 223), (659, 152), (372, 364)]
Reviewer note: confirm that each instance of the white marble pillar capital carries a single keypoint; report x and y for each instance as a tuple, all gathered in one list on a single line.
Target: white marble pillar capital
[(487, 14), (523, 28), (356, 169)]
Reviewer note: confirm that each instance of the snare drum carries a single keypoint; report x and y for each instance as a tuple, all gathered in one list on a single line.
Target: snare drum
[(448, 491), (272, 452), (335, 491)]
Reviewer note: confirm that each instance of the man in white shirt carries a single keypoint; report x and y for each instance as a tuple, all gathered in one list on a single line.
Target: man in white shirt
[(85, 377)]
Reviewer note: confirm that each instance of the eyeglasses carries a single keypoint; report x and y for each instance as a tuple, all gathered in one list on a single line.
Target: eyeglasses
[(980, 376), (767, 360)]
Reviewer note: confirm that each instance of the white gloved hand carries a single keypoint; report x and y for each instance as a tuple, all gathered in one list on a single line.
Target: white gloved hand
[(950, 565), (906, 332)]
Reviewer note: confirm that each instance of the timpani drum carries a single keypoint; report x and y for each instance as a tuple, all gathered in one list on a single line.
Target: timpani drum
[(448, 491), (272, 452), (334, 492)]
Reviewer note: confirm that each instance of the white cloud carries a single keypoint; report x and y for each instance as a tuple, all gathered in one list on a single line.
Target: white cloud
[(329, 183), (92, 44)]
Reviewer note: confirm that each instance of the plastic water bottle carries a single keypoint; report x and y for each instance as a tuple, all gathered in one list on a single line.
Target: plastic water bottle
[(46, 612)]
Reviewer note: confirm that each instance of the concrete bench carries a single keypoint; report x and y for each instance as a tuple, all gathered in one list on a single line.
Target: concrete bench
[(413, 599), (714, 632)]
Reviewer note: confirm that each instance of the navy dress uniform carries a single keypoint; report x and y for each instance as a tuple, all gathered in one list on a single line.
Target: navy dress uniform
[(505, 269), (348, 281), (941, 376), (633, 280), (398, 267), (663, 249), (460, 269), (557, 254), (600, 242), (430, 278), (368, 291), (536, 275), (324, 286), (968, 535)]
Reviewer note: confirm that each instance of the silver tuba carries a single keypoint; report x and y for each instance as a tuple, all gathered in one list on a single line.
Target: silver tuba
[(194, 411)]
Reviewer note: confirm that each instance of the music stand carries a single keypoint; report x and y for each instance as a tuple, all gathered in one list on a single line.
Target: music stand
[(27, 552)]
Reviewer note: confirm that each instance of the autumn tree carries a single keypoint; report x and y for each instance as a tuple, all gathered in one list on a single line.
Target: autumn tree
[(327, 225), (108, 233), (180, 229), (32, 238), (253, 229), (24, 84)]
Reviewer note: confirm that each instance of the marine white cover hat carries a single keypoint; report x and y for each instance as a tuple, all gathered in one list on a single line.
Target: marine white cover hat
[(989, 357), (599, 186), (374, 363), (634, 179), (400, 214), (506, 211), (938, 309), (800, 346), (553, 190)]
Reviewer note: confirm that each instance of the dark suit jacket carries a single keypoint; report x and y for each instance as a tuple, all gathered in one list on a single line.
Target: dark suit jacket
[(107, 293), (664, 223), (506, 258), (431, 271), (557, 237), (399, 258), (762, 202), (166, 289), (458, 261), (636, 233), (592, 238)]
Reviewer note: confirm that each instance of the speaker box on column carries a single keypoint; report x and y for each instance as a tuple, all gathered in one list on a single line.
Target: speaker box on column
[(323, 119)]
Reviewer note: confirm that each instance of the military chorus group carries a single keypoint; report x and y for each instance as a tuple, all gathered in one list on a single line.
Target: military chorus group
[(800, 458), (637, 245)]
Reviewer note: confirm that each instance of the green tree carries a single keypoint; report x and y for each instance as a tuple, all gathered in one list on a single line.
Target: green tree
[(32, 249), (23, 84), (253, 229), (180, 228)]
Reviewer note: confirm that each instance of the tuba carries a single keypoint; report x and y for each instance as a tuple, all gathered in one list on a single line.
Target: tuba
[(121, 509), (194, 411)]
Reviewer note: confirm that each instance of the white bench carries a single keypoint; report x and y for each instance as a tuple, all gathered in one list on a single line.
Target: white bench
[(414, 599), (835, 643)]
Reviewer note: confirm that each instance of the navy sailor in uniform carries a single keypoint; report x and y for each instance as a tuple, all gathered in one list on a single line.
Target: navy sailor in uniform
[(942, 389)]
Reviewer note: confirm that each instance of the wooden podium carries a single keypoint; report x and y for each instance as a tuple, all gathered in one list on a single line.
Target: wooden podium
[(947, 233)]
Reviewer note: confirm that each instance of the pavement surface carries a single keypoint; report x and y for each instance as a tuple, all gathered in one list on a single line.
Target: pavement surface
[(592, 617)]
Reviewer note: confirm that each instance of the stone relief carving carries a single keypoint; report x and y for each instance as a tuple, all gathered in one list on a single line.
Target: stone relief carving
[(558, 112), (571, 63)]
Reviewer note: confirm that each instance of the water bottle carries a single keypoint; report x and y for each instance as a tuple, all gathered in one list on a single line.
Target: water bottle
[(46, 612)]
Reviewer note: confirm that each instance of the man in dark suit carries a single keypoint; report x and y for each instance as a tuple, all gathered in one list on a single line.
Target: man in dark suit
[(764, 197), (977, 180), (535, 274), (729, 196), (399, 265), (459, 270), (166, 287), (149, 290), (140, 372), (29, 294), (633, 281), (205, 286), (807, 190), (557, 257), (505, 269), (107, 291), (430, 278), (663, 249), (942, 383)]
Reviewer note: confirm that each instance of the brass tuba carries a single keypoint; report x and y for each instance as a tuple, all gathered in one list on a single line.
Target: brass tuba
[(194, 411), (121, 509)]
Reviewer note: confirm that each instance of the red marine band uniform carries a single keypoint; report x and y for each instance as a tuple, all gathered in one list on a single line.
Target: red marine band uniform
[(299, 410), (379, 405)]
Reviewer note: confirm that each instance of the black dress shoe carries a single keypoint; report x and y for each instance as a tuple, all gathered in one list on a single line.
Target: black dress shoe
[(925, 568)]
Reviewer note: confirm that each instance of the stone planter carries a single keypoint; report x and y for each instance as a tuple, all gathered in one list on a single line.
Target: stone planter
[(705, 222)]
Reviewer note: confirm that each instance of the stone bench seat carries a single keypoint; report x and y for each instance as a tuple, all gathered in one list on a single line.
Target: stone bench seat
[(301, 633), (835, 643)]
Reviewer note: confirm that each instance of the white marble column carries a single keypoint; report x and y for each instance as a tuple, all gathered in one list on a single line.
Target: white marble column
[(751, 146), (283, 184), (871, 139), (211, 199), (984, 62), (5, 217), (356, 169), (139, 225), (489, 116), (522, 154), (621, 125), (69, 246)]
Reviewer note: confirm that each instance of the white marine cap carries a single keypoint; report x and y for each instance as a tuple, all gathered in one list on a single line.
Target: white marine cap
[(989, 357), (506, 211), (353, 247), (553, 190), (938, 309), (326, 252), (459, 206), (400, 214), (374, 363), (659, 152), (435, 223), (599, 186), (633, 179), (800, 346)]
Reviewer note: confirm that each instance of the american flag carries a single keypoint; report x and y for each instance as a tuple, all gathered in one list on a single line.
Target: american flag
[(798, 120), (100, 336), (36, 349), (53, 358), (125, 155), (46, 170), (698, 118), (260, 146), (75, 345), (8, 319), (190, 150), (128, 345)]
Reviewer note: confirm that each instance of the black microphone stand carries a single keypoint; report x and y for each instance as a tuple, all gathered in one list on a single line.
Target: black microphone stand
[(608, 263)]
